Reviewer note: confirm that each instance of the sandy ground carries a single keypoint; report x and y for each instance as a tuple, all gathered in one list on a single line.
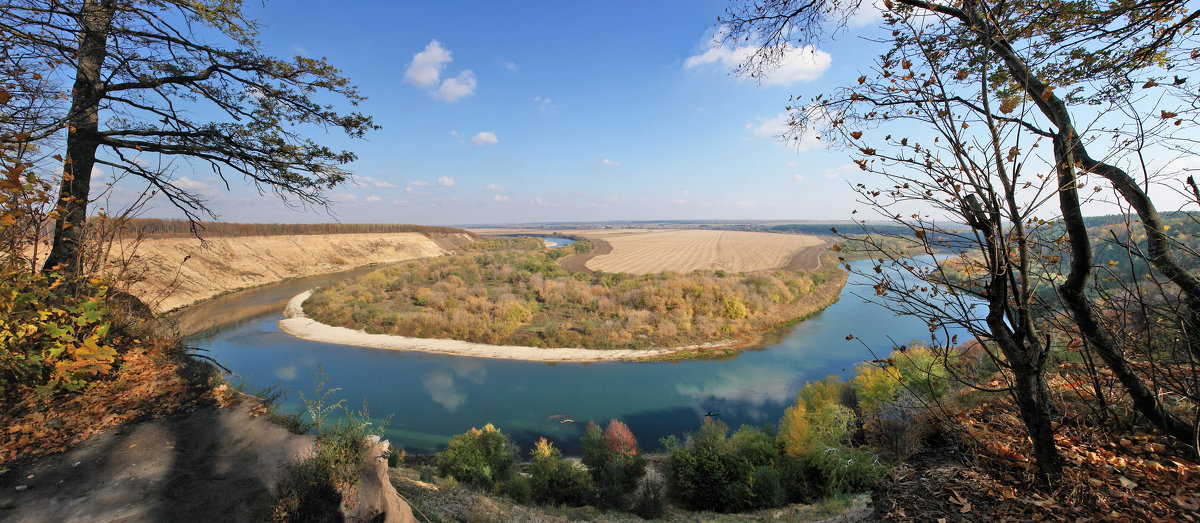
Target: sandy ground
[(208, 465), (297, 324), (180, 271)]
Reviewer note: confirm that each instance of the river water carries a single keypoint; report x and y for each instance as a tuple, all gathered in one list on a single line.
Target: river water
[(432, 397)]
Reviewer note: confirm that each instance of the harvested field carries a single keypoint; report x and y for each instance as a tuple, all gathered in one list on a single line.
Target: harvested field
[(648, 251)]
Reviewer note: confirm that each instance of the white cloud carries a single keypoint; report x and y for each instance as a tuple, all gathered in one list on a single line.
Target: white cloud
[(798, 64), (367, 181), (454, 88), (771, 127), (425, 71), (453, 132), (798, 177), (445, 181), (195, 186), (372, 199), (609, 163), (839, 171), (779, 128), (408, 189), (867, 14), (511, 66), (494, 187), (500, 198), (418, 183), (543, 105), (485, 138), (426, 66)]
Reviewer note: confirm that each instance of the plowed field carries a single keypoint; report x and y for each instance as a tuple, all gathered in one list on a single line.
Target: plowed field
[(648, 251)]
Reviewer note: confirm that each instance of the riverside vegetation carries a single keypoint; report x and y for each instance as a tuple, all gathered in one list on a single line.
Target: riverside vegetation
[(818, 454), (513, 292)]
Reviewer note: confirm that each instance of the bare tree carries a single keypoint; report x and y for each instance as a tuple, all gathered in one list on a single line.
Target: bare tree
[(989, 82), (146, 81)]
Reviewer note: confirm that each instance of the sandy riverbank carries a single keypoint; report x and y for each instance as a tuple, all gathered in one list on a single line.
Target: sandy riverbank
[(297, 324)]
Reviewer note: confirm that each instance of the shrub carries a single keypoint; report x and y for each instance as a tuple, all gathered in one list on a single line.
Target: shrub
[(314, 488), (518, 489), (767, 488), (613, 460), (480, 457), (52, 342), (650, 501), (875, 386), (816, 420), (755, 446), (708, 475), (801, 481), (553, 480), (847, 471), (923, 371)]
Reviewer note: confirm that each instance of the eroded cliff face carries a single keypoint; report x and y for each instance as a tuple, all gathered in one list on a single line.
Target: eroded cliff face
[(175, 272)]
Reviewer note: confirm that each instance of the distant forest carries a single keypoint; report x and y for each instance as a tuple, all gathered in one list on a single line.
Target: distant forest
[(160, 228)]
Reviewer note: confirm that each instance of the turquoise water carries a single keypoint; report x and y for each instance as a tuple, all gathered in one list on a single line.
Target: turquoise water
[(431, 397)]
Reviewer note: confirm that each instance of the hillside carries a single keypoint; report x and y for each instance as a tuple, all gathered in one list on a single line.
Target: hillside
[(174, 272)]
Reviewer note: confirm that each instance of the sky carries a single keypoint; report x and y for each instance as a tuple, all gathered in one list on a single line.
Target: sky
[(557, 111), (554, 111)]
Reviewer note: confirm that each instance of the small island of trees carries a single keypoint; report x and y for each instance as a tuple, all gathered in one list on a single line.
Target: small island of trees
[(514, 292)]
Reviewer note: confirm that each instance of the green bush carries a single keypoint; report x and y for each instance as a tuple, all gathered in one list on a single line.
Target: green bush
[(847, 471), (923, 371), (554, 480), (708, 475), (52, 342), (801, 481), (518, 489), (479, 457), (767, 488)]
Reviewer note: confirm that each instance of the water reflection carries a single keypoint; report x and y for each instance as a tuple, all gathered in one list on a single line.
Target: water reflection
[(432, 397), (746, 388), (441, 385)]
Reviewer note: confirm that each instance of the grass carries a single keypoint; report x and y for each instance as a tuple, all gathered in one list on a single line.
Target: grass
[(314, 488)]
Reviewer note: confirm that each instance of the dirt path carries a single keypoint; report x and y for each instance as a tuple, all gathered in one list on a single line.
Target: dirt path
[(206, 465), (578, 262), (809, 258)]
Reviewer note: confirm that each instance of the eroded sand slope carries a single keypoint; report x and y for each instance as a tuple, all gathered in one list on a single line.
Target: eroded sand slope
[(181, 271)]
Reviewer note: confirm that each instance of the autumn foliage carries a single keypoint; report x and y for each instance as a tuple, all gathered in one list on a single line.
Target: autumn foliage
[(513, 292)]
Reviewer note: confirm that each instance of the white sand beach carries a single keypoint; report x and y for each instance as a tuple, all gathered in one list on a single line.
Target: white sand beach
[(297, 324)]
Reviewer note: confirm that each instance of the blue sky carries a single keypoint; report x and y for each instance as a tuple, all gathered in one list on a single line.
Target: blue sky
[(553, 111)]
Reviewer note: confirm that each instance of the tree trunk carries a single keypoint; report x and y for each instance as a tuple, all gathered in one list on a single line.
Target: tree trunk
[(1033, 400), (95, 22), (1072, 292)]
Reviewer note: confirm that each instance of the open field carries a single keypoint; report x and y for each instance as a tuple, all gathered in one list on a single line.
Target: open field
[(640, 251)]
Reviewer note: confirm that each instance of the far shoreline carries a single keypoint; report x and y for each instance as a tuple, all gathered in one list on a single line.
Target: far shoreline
[(298, 324)]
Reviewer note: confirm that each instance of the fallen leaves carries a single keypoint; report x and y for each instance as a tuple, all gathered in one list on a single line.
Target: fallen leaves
[(147, 385)]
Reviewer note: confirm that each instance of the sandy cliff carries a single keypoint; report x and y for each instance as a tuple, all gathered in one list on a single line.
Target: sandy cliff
[(180, 271)]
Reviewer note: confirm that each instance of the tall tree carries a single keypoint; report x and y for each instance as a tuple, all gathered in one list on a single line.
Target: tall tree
[(1023, 74), (146, 80)]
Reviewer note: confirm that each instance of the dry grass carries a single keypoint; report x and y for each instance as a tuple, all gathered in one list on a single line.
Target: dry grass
[(649, 251)]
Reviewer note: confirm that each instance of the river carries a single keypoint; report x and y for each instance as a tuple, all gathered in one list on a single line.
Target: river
[(430, 397)]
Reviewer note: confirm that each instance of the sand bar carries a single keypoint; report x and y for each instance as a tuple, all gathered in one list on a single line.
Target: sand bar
[(297, 324)]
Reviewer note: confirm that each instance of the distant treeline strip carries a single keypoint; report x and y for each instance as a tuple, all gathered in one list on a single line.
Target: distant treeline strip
[(161, 228)]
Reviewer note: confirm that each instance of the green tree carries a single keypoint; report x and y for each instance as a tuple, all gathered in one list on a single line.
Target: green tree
[(147, 82)]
